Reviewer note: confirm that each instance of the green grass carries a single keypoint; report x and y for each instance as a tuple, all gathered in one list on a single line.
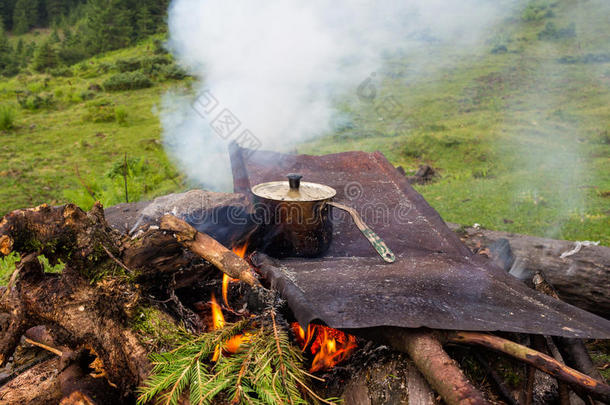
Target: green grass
[(62, 152), (521, 139)]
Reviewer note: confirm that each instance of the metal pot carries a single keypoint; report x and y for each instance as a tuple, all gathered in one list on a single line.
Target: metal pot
[(294, 216)]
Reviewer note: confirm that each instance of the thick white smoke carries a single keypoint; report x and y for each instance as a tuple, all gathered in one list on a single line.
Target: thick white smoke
[(270, 73)]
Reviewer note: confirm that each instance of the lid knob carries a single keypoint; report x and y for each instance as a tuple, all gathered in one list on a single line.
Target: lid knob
[(294, 180)]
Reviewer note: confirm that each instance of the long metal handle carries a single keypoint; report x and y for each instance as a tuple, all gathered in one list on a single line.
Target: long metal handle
[(379, 245)]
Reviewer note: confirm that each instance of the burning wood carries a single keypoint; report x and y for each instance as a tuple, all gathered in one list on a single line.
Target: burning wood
[(208, 248), (328, 346)]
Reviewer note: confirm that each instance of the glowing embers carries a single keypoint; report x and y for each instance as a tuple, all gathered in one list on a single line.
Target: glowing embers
[(329, 346)]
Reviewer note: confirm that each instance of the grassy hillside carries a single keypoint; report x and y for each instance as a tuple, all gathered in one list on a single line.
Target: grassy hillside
[(71, 136), (518, 129)]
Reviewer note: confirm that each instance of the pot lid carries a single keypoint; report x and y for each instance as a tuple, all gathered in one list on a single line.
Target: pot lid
[(293, 190)]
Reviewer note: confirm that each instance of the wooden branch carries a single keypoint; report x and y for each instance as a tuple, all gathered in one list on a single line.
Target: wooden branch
[(539, 360), (441, 372), (53, 350), (211, 250)]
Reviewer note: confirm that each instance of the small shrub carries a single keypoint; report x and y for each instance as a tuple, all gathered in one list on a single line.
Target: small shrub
[(128, 65), (71, 55), (159, 47), (86, 95), (155, 64), (158, 60), (127, 81), (173, 72), (62, 71), (7, 118), (100, 111), (31, 101), (100, 114), (120, 114), (104, 67), (73, 97), (499, 49), (585, 59), (538, 11), (551, 32)]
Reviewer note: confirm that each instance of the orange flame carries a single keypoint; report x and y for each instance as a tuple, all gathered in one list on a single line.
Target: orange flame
[(335, 346), (303, 339), (241, 252), (232, 345), (330, 346), (218, 319)]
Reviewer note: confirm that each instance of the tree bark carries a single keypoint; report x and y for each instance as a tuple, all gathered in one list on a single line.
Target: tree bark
[(37, 386)]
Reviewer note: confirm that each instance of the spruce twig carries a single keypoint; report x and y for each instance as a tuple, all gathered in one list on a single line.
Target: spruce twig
[(266, 370)]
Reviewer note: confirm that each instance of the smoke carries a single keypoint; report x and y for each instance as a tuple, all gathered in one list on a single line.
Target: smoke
[(271, 74)]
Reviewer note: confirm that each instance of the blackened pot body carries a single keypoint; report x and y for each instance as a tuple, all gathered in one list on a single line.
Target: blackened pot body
[(293, 228)]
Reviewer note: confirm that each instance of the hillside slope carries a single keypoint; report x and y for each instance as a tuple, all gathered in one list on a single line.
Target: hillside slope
[(518, 129)]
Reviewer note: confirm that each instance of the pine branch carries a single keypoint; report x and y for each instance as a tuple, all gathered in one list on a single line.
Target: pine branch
[(267, 369)]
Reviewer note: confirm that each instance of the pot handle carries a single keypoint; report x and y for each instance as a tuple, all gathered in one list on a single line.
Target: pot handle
[(379, 245)]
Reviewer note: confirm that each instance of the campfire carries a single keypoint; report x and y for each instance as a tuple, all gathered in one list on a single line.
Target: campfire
[(328, 346), (180, 308)]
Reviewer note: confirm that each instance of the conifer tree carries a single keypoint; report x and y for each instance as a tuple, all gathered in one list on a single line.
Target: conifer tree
[(71, 50), (25, 16), (8, 63), (7, 8), (108, 26), (68, 38), (145, 23), (55, 37), (30, 49), (19, 53), (55, 10), (45, 57)]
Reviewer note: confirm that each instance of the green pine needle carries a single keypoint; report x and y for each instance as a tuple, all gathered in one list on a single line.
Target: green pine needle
[(252, 376)]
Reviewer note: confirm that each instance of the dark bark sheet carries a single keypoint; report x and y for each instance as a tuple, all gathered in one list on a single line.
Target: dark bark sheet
[(436, 281)]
